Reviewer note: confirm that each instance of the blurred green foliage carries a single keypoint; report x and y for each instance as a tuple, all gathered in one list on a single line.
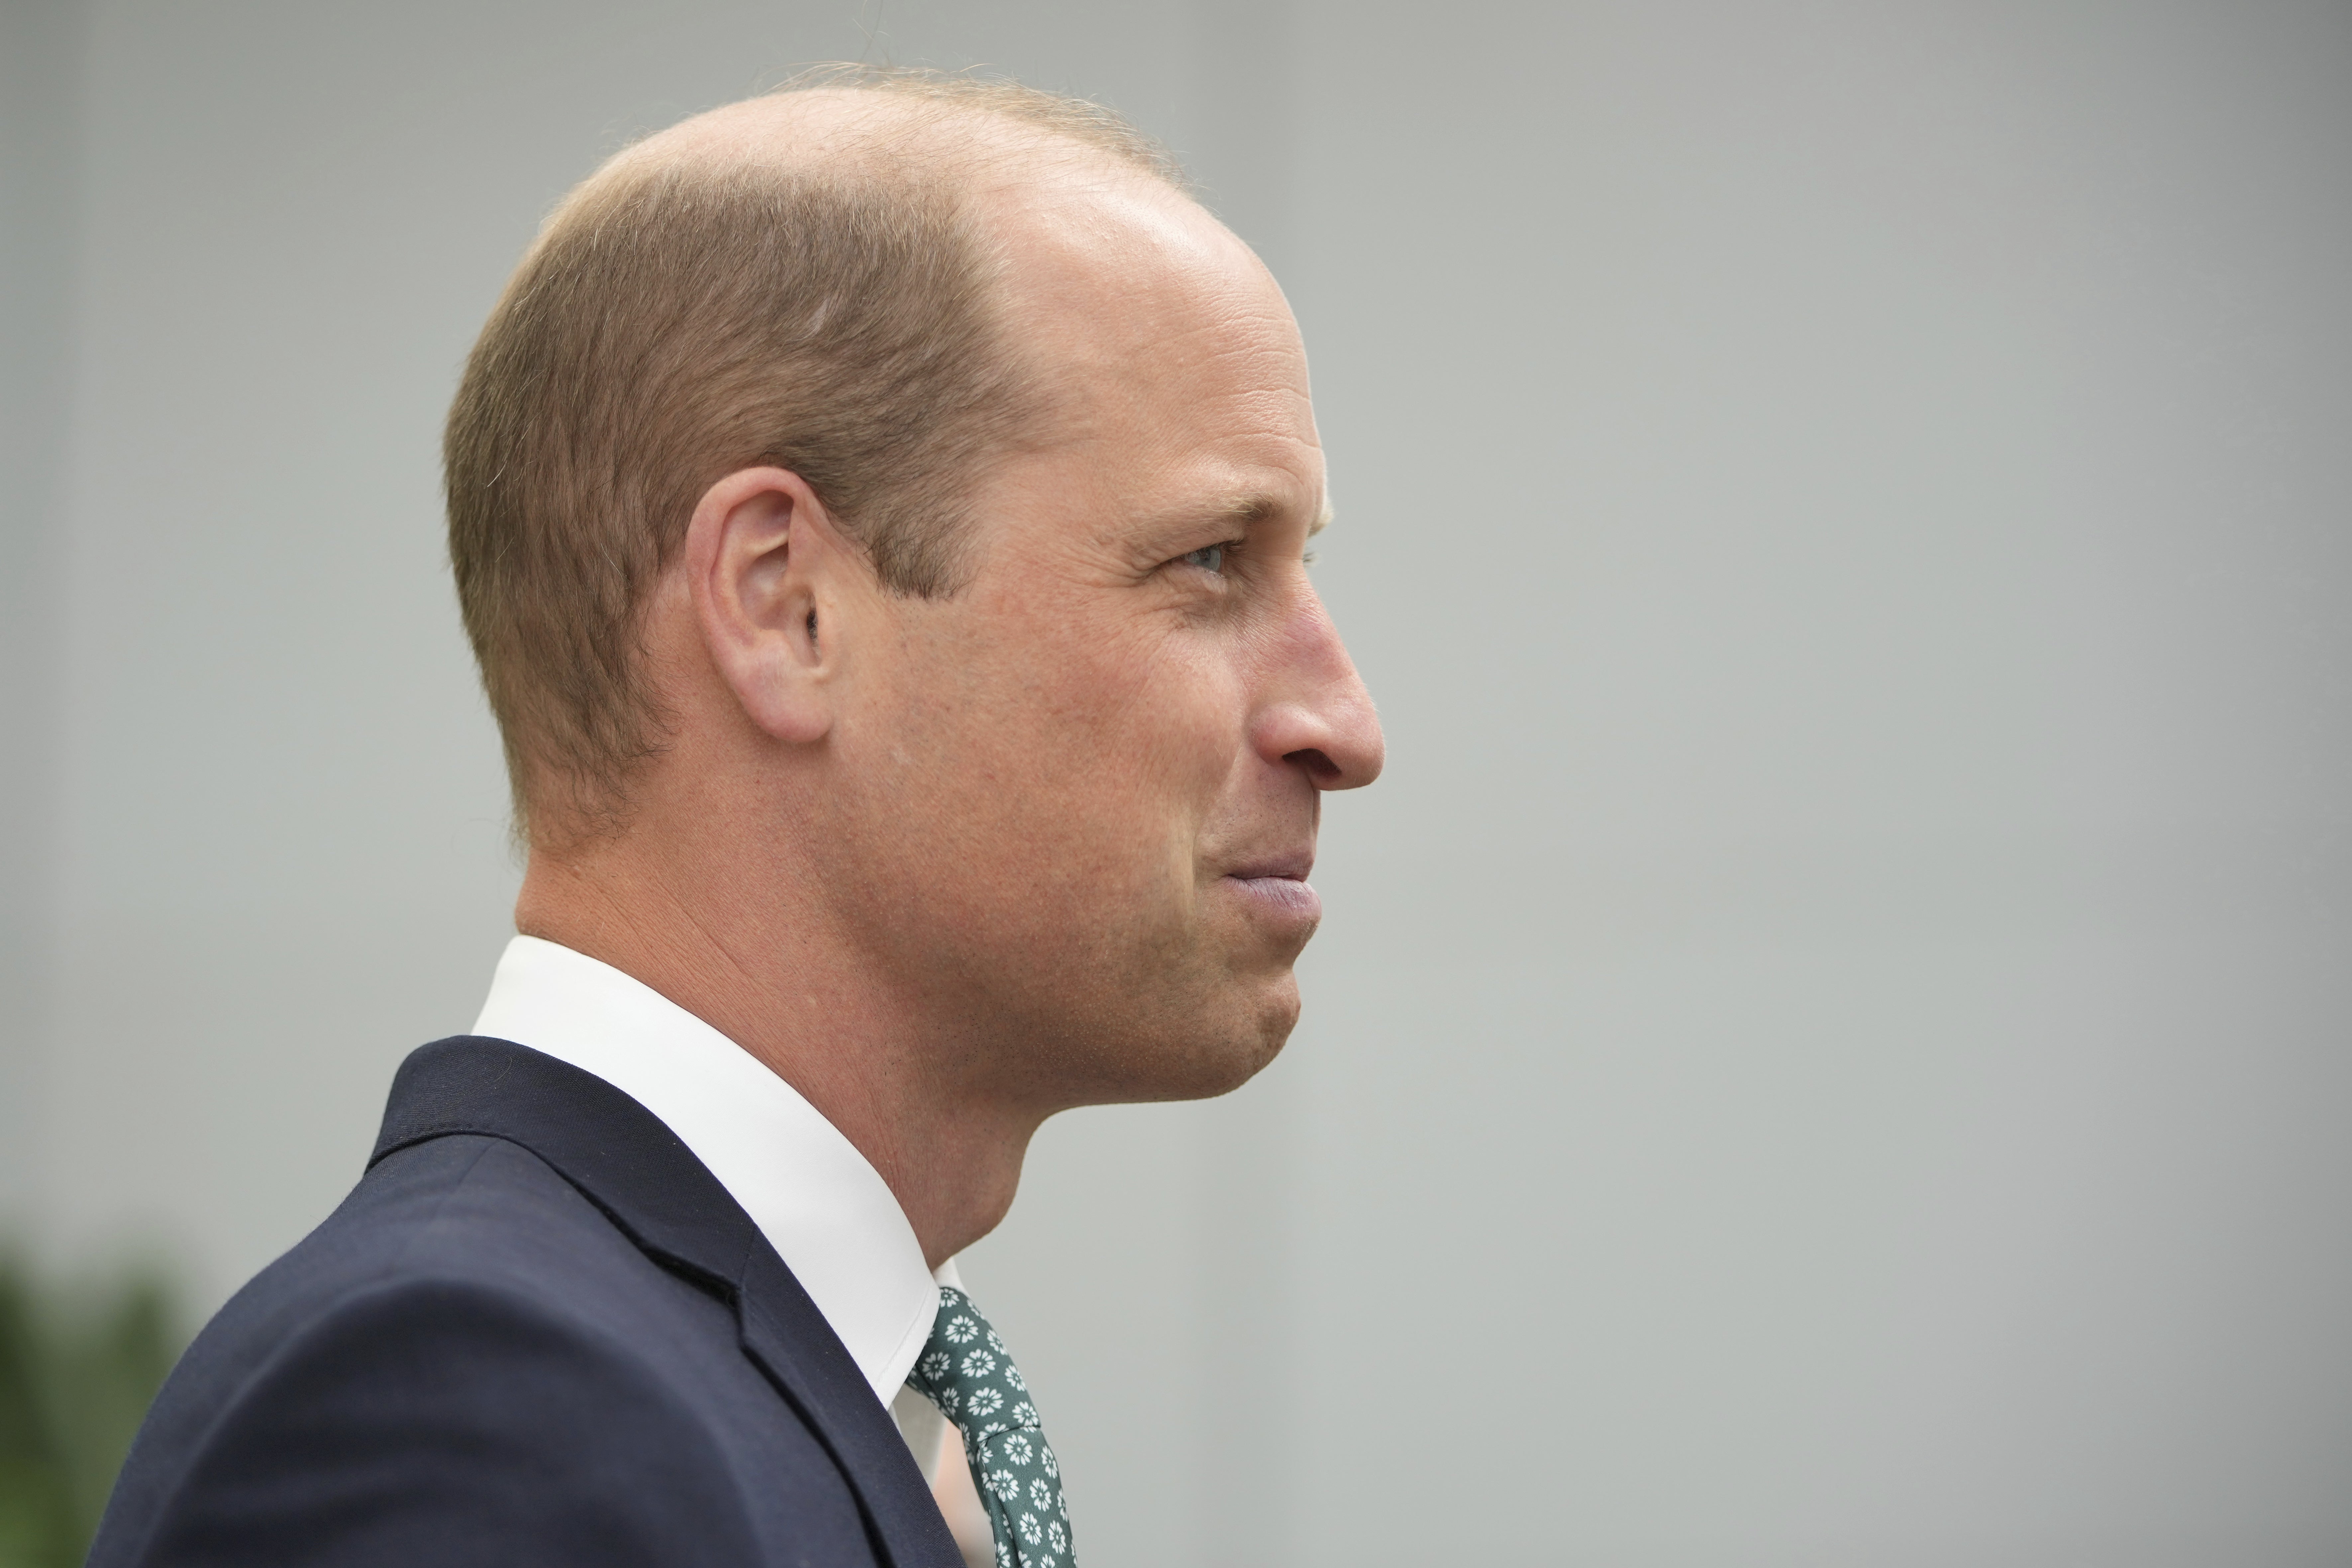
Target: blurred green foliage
[(79, 1366)]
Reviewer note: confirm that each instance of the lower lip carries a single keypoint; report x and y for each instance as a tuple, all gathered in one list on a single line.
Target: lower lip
[(1283, 898)]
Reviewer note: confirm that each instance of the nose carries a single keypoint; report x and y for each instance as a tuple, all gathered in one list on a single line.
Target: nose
[(1318, 718)]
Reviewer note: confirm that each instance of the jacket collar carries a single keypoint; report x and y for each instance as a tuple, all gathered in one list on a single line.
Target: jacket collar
[(812, 1192), (633, 1167)]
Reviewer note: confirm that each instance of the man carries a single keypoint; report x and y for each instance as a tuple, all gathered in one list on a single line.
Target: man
[(879, 511)]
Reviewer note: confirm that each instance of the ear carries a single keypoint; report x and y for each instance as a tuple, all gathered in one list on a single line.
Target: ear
[(767, 572)]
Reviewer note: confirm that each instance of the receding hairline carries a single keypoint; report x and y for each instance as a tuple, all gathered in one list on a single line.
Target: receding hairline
[(899, 126)]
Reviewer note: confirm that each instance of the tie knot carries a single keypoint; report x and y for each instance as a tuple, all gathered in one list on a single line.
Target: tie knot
[(965, 1372)]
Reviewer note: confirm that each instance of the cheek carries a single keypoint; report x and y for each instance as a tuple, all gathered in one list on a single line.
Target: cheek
[(1099, 760)]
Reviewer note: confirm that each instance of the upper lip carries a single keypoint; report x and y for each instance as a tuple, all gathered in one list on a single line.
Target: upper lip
[(1291, 865)]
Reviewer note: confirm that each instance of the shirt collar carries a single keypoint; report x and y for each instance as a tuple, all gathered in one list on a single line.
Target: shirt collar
[(822, 1206)]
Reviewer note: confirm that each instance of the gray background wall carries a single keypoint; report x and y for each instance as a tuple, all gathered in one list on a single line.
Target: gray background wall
[(1833, 1041)]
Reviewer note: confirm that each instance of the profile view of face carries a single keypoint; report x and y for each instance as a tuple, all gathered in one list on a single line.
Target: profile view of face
[(1096, 770)]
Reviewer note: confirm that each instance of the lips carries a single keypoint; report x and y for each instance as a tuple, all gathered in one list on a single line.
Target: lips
[(1275, 886), (1292, 865)]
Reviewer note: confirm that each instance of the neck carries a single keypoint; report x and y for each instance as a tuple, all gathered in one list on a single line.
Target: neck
[(770, 975)]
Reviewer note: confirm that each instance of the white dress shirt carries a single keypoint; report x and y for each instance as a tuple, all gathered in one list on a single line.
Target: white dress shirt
[(826, 1211)]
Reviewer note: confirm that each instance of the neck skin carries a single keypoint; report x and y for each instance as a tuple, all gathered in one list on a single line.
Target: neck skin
[(660, 906)]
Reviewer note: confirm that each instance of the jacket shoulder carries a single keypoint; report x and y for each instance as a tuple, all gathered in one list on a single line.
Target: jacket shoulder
[(441, 1420), (468, 1362)]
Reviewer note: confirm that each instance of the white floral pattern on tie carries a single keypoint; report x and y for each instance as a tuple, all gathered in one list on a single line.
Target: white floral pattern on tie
[(976, 1387)]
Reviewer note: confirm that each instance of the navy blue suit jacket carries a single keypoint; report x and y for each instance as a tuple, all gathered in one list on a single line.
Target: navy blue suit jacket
[(538, 1331)]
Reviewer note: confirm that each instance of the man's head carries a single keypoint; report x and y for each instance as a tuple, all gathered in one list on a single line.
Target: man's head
[(884, 506), (802, 281)]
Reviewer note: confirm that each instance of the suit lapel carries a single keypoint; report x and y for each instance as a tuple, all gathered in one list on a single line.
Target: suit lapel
[(780, 1326), (631, 1165)]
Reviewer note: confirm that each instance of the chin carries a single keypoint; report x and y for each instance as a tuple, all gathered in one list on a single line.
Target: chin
[(1244, 1037)]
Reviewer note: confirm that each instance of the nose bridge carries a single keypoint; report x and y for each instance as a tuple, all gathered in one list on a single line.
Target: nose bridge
[(1317, 701)]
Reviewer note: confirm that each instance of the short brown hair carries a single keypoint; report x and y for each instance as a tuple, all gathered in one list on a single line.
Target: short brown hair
[(677, 322)]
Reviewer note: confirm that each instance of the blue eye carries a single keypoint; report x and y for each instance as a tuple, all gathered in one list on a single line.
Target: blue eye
[(1208, 558)]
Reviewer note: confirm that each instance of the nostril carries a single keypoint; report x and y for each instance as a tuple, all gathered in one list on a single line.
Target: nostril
[(1319, 765)]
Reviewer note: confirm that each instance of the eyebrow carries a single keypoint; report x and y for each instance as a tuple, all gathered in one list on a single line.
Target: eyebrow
[(1243, 511)]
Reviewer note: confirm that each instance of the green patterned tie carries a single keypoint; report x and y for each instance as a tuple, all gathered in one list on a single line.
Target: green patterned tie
[(965, 1372)]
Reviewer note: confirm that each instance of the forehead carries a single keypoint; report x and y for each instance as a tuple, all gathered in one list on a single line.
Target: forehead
[(1152, 327)]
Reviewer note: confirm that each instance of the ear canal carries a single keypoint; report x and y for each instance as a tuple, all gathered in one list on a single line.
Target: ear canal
[(811, 630)]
